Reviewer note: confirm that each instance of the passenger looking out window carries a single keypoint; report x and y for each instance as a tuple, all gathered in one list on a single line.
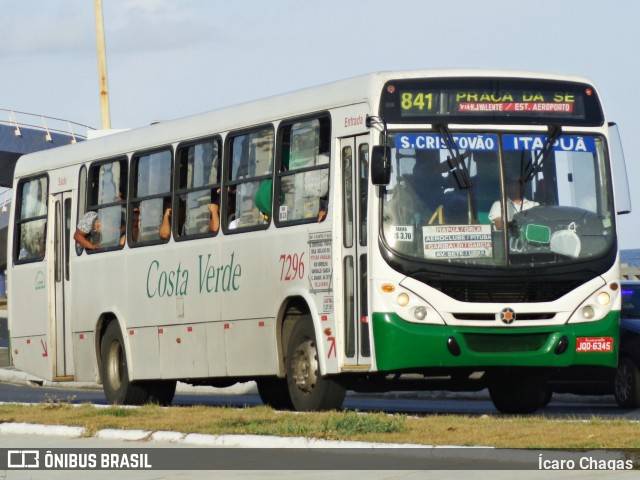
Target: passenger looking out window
[(89, 231), (151, 202), (197, 200), (103, 225)]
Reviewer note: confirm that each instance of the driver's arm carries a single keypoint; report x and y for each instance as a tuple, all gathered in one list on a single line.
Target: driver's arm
[(495, 215)]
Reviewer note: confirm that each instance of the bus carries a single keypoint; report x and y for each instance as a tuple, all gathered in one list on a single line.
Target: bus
[(398, 230)]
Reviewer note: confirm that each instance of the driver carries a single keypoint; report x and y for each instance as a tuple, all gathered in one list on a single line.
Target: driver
[(421, 198), (516, 202)]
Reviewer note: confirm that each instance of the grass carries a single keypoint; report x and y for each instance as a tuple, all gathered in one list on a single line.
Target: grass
[(499, 431)]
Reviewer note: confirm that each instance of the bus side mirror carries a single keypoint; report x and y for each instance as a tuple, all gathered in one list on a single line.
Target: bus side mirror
[(622, 194), (381, 165)]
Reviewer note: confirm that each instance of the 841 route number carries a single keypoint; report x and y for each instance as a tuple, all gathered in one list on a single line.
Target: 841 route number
[(292, 267)]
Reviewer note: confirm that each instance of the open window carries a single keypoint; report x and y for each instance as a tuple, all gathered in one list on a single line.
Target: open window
[(150, 207), (107, 197), (303, 173), (250, 185), (197, 199)]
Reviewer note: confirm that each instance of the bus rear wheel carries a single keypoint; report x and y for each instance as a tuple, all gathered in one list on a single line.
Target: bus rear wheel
[(518, 392), (117, 387), (309, 390), (274, 392)]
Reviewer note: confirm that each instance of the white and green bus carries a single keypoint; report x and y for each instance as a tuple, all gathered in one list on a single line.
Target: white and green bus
[(391, 231)]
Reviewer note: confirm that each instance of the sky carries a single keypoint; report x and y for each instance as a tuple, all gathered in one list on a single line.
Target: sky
[(172, 58)]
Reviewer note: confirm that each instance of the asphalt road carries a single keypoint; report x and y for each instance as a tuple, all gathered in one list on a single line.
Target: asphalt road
[(564, 406)]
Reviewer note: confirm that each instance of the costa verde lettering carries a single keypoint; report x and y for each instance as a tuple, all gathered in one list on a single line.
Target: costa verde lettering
[(174, 281)]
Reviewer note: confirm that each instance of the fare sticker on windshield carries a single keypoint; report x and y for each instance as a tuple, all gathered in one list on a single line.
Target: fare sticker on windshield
[(403, 233), (457, 241)]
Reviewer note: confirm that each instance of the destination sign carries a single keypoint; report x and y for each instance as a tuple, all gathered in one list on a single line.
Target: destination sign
[(477, 142), (565, 143), (490, 101)]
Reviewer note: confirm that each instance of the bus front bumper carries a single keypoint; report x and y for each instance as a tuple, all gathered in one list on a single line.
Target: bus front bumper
[(401, 345)]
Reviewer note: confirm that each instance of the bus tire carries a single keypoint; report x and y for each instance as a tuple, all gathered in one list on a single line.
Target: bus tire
[(518, 393), (626, 384), (113, 371), (274, 392), (308, 390)]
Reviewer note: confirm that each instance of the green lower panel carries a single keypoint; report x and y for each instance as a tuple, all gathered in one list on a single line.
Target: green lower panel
[(400, 344)]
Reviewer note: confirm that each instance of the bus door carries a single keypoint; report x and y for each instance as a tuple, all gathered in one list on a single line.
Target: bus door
[(354, 161), (63, 233)]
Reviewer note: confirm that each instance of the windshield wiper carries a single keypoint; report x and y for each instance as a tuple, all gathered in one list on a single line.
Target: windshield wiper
[(458, 168), (536, 163)]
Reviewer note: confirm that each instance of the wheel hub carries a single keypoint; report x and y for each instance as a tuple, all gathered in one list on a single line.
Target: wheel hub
[(115, 362), (305, 366)]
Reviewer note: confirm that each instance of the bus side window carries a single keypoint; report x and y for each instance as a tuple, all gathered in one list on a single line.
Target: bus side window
[(197, 199), (107, 197), (31, 220), (250, 185), (303, 175), (150, 208)]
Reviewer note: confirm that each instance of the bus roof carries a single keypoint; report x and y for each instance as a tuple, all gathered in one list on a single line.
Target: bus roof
[(312, 99)]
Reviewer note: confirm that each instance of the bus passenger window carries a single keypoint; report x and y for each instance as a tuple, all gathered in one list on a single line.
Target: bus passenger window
[(31, 222), (103, 224), (250, 185), (151, 203), (303, 177), (197, 201)]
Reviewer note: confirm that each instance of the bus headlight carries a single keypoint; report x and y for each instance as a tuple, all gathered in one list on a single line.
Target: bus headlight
[(596, 306), (420, 313), (403, 299), (603, 298), (588, 312)]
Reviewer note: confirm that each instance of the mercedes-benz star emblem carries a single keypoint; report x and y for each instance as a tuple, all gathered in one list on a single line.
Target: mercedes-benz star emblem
[(507, 315)]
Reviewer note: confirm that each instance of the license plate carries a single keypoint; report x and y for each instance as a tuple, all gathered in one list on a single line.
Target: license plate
[(594, 344)]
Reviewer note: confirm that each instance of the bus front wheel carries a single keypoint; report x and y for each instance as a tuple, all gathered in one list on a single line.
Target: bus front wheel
[(627, 384), (518, 393), (308, 389), (117, 387)]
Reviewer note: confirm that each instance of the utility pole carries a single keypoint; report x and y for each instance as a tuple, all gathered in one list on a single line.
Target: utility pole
[(102, 66)]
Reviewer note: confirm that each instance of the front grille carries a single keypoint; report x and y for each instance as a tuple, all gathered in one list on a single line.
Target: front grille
[(521, 342), (492, 316), (504, 292)]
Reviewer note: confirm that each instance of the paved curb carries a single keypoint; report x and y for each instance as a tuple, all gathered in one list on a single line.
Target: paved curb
[(127, 435), (37, 429), (199, 439)]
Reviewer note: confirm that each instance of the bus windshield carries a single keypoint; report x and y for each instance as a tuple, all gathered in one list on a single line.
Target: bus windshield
[(497, 199)]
